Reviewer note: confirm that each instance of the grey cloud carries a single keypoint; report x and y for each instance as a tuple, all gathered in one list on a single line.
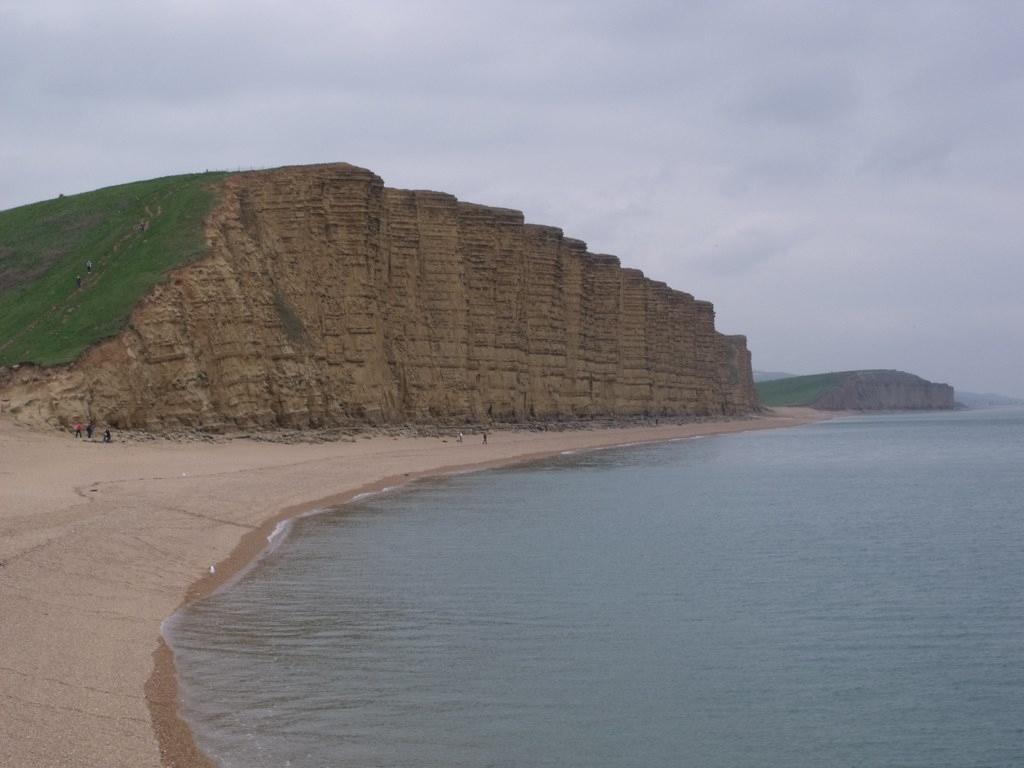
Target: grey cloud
[(916, 152), (798, 98), (747, 247)]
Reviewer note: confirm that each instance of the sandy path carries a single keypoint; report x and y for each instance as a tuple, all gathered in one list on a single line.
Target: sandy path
[(100, 543)]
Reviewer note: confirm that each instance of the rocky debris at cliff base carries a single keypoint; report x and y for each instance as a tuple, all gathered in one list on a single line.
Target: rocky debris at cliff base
[(440, 432)]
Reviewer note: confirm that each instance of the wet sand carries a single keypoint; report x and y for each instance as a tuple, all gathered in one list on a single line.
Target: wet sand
[(100, 543)]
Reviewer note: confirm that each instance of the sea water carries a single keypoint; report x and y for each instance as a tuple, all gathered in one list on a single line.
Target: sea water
[(849, 593)]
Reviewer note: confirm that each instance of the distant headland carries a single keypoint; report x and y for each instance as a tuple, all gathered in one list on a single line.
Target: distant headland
[(874, 390)]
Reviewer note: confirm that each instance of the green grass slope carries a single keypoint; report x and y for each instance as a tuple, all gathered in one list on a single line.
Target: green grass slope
[(132, 233), (797, 390)]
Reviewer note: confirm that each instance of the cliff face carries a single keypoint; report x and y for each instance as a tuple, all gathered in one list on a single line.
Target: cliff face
[(885, 391), (329, 299)]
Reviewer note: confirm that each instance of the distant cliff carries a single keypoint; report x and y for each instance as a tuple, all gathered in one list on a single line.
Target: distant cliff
[(858, 391), (325, 298)]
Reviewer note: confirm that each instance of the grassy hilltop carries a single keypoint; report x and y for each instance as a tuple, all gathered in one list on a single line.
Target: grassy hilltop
[(132, 233), (797, 390)]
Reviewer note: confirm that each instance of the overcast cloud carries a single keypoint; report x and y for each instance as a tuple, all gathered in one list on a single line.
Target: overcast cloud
[(843, 180)]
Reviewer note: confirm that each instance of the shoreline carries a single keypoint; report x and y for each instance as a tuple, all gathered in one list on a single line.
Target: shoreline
[(188, 506)]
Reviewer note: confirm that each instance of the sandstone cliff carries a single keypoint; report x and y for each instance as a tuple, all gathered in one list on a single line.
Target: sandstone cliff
[(327, 299), (885, 391)]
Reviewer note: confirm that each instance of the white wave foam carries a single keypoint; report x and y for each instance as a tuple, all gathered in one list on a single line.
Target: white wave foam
[(278, 535), (368, 494)]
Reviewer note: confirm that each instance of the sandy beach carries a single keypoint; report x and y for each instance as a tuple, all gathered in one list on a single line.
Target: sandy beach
[(100, 543)]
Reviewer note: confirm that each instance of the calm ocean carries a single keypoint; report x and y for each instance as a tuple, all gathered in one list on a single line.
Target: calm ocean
[(849, 593)]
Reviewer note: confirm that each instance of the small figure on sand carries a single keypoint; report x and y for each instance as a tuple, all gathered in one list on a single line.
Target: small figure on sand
[(88, 265), (78, 429), (459, 438), (106, 436), (78, 281), (90, 428), (485, 438)]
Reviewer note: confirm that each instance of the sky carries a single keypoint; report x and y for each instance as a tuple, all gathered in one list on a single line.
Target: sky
[(843, 180)]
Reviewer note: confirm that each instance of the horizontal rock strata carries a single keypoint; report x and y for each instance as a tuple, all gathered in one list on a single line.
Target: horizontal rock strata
[(328, 299)]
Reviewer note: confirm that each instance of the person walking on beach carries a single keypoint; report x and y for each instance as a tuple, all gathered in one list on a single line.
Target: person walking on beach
[(78, 429), (106, 436), (459, 438), (485, 438), (90, 428)]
